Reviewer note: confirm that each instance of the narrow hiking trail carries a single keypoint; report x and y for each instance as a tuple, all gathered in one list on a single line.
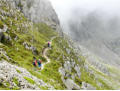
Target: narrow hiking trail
[(45, 53)]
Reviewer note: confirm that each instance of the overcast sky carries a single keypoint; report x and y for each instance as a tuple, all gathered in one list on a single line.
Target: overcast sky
[(64, 7)]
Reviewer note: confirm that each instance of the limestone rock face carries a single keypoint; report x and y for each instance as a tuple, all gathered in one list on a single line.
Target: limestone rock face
[(8, 72), (69, 83), (37, 11)]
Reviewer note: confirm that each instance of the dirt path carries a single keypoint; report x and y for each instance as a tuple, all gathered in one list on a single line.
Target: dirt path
[(45, 53)]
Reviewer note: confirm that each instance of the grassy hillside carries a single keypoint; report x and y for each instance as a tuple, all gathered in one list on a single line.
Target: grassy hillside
[(20, 30)]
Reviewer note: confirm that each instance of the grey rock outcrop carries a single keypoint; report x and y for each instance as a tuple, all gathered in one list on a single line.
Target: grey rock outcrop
[(77, 68), (67, 66), (69, 83), (67, 76), (8, 72), (3, 53), (30, 47), (86, 86), (37, 11)]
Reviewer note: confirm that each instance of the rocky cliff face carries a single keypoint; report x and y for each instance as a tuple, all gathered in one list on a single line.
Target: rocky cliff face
[(37, 11)]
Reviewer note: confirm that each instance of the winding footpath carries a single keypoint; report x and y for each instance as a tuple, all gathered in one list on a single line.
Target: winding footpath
[(45, 53)]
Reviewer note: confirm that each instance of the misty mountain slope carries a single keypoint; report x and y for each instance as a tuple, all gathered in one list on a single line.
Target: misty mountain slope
[(96, 33), (97, 38), (102, 72)]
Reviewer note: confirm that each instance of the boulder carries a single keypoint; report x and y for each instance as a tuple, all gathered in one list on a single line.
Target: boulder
[(77, 68), (67, 66), (86, 86), (68, 51), (71, 85)]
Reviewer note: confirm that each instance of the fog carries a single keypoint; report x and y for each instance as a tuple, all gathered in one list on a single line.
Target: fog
[(65, 7), (95, 24)]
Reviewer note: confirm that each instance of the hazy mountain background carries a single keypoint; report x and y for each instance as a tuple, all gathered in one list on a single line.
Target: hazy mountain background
[(97, 33), (93, 24)]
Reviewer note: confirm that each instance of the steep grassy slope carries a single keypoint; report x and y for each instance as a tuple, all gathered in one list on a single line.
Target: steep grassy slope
[(19, 30)]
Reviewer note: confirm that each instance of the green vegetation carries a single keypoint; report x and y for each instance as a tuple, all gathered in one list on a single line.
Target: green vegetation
[(35, 35), (43, 87), (78, 81), (39, 33), (3, 57), (50, 75), (29, 80), (73, 70), (86, 77), (1, 25), (15, 88), (7, 84), (2, 87), (15, 80), (65, 77), (18, 71)]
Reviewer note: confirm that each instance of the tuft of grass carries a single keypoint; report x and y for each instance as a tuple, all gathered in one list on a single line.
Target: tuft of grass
[(15, 88), (7, 84), (15, 80), (78, 81), (65, 77), (73, 70), (18, 71), (29, 80), (43, 87)]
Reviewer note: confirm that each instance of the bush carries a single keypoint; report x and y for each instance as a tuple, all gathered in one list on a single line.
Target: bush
[(65, 77), (1, 24)]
